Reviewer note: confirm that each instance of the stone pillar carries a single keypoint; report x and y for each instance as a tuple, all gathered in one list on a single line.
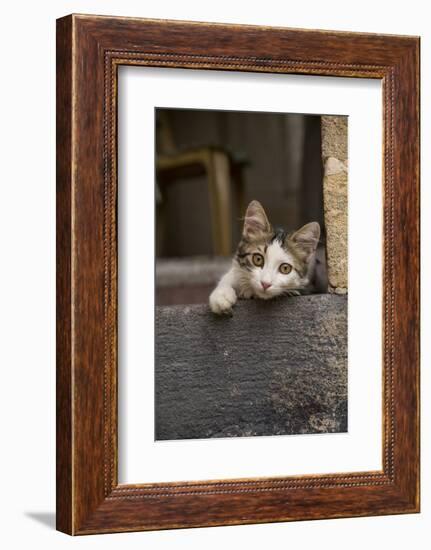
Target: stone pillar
[(334, 156)]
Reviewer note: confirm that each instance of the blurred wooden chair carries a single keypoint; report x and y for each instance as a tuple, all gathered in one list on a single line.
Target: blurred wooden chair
[(224, 177)]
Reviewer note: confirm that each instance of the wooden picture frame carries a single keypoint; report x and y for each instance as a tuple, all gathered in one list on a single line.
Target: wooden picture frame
[(89, 51)]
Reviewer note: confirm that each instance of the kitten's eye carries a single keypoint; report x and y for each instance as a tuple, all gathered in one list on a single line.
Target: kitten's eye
[(285, 269), (257, 260)]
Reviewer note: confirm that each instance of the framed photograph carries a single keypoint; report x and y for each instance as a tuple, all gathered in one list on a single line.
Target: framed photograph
[(237, 274)]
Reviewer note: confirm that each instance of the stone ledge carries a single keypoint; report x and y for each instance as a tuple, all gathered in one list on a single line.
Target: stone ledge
[(191, 270), (276, 367)]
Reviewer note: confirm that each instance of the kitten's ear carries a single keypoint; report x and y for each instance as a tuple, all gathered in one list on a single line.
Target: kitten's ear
[(256, 223), (306, 239)]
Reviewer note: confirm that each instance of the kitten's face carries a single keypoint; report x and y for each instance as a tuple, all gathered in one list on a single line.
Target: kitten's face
[(274, 263)]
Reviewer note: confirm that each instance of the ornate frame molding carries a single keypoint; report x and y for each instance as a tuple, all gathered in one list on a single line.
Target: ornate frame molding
[(89, 498)]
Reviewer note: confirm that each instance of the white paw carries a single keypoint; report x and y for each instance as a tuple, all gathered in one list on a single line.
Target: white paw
[(222, 299), (246, 294)]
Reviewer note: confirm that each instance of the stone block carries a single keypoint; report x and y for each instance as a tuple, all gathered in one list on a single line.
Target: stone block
[(276, 367)]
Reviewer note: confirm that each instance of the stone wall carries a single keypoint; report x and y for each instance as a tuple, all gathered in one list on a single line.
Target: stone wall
[(335, 199)]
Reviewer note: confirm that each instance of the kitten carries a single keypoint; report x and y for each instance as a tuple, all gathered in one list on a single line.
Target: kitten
[(268, 262)]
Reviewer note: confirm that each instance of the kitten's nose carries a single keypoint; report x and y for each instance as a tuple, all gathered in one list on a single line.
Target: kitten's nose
[(265, 285)]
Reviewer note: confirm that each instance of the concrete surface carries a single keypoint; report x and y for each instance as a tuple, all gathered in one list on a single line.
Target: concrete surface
[(277, 367)]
